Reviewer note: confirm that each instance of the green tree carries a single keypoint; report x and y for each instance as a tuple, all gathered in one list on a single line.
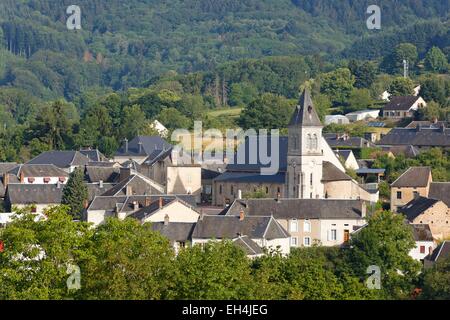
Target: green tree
[(174, 119), (435, 60), (364, 73), (359, 99), (401, 87), (393, 63), (385, 242), (436, 89), (338, 85), (436, 282), (132, 122), (75, 193)]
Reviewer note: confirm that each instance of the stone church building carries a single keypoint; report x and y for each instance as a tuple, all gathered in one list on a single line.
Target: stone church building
[(309, 169)]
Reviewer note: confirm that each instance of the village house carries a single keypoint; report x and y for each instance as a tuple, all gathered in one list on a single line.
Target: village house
[(412, 183), (440, 254), (38, 196), (419, 137), (348, 158), (425, 243), (141, 148), (66, 160), (309, 221), (265, 231), (403, 107), (363, 115), (432, 212)]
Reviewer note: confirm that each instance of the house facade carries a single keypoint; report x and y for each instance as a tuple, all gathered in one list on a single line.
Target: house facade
[(403, 107)]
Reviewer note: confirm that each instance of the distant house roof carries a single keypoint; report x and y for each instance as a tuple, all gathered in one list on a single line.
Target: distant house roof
[(103, 164), (26, 194), (331, 173), (413, 177), (93, 155), (209, 174), (401, 103), (370, 171), (250, 247), (61, 159), (230, 227), (344, 154), (343, 140), (422, 232), (416, 207), (157, 155), (298, 208), (39, 170), (175, 231), (138, 184), (105, 174), (429, 124), (148, 143), (108, 203), (154, 207), (6, 167), (406, 150), (442, 252), (97, 189), (440, 191), (419, 137), (305, 113)]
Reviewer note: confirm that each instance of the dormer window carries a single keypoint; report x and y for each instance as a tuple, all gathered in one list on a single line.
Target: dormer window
[(31, 180), (46, 180)]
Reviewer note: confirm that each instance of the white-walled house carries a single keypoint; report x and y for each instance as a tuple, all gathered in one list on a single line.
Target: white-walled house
[(40, 174), (425, 243)]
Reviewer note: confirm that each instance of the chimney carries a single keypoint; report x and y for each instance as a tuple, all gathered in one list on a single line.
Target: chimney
[(22, 177), (364, 209), (129, 191), (6, 179), (140, 147), (241, 215), (239, 194), (135, 205), (101, 184), (166, 220), (148, 201), (126, 145), (160, 202)]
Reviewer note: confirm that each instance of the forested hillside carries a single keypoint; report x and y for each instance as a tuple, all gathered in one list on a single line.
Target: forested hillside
[(125, 43)]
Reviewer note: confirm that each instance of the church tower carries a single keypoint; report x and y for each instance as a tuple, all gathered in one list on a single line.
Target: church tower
[(305, 155)]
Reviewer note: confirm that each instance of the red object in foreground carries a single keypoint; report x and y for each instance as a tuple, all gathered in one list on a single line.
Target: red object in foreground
[(2, 247)]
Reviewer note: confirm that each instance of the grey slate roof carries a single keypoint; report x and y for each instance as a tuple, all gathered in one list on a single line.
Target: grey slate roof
[(209, 174), (243, 177), (403, 103), (33, 194), (175, 231), (345, 154), (416, 207), (331, 173), (149, 144), (94, 189), (335, 140), (422, 232), (442, 252), (230, 227), (250, 247), (6, 167), (138, 185), (61, 159), (298, 208), (105, 174), (39, 170), (413, 177), (408, 151), (93, 155), (437, 124), (424, 137), (148, 211), (157, 155), (305, 113), (440, 191)]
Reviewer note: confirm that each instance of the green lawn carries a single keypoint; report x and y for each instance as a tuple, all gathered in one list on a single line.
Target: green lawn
[(225, 112)]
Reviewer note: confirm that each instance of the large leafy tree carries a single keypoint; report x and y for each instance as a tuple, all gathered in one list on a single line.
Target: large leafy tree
[(436, 283), (338, 85), (401, 87), (386, 242), (436, 60), (75, 193)]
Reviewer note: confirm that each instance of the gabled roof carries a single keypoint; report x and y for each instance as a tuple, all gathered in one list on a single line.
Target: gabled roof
[(139, 184), (440, 191), (423, 137), (230, 227), (126, 202), (408, 151), (416, 207), (403, 103), (39, 170), (331, 173), (442, 252), (154, 207), (337, 140), (6, 167), (105, 174), (34, 194), (413, 177), (250, 247), (93, 155), (298, 208), (175, 231), (157, 155), (148, 143), (305, 114), (61, 159)]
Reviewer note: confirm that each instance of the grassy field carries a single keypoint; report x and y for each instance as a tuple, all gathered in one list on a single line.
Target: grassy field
[(226, 112)]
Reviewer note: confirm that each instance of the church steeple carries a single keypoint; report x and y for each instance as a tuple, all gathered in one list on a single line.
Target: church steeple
[(305, 114)]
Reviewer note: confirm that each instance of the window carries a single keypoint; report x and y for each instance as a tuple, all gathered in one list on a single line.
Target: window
[(309, 142), (267, 190), (307, 241), (399, 194), (294, 242), (220, 189), (30, 180), (293, 227), (422, 249), (311, 179), (315, 142), (306, 226), (333, 235), (46, 180)]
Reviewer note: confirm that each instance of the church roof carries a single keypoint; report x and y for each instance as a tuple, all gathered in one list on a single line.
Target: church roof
[(305, 114)]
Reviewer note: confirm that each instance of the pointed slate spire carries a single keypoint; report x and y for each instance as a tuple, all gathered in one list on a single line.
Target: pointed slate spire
[(305, 114)]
